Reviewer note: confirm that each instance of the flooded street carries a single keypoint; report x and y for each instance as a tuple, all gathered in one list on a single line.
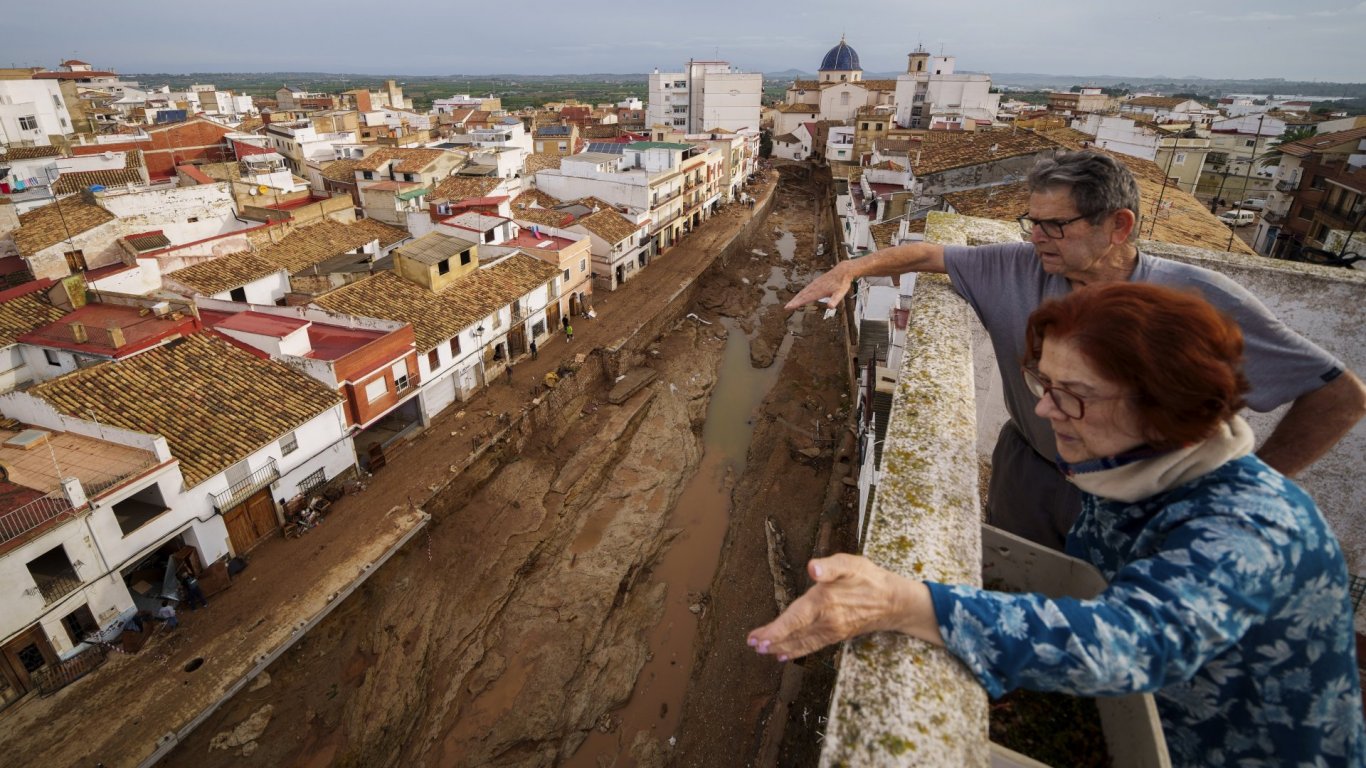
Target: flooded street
[(702, 514)]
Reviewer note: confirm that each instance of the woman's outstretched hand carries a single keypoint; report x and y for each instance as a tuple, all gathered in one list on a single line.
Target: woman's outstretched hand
[(850, 597)]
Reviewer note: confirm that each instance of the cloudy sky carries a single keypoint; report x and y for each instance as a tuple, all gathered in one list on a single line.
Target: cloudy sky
[(1293, 39)]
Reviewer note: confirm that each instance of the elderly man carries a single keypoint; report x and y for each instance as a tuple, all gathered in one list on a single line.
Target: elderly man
[(1083, 225)]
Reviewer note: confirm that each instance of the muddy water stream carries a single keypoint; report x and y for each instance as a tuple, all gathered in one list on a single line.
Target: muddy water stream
[(702, 514)]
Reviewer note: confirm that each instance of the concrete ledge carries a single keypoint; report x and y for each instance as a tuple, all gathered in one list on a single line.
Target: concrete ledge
[(898, 701)]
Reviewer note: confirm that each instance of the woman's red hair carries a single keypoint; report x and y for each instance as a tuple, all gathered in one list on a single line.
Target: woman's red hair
[(1179, 356)]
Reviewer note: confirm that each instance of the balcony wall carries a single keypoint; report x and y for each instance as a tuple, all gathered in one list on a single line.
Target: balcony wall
[(900, 702)]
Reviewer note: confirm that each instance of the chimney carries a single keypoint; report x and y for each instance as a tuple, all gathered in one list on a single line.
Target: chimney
[(78, 333), (116, 337), (363, 100)]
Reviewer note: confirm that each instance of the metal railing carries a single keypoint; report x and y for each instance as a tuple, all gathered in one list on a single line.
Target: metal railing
[(240, 490), (1287, 185), (54, 588), (17, 522)]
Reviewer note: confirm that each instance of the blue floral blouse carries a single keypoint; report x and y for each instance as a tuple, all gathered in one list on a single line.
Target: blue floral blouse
[(1227, 599)]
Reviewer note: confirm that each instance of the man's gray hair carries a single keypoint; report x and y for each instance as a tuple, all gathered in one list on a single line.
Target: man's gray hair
[(1098, 183)]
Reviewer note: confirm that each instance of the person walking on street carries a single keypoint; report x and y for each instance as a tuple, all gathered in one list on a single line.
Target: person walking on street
[(534, 353), (565, 319), (194, 595), (509, 370), (568, 331)]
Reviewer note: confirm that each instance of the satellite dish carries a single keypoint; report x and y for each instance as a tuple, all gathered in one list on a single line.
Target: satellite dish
[(252, 191)]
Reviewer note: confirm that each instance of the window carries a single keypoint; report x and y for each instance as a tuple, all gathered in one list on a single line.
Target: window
[(376, 389), (1180, 158), (367, 174), (28, 123), (54, 573), (80, 624), (455, 346), (566, 276), (844, 99), (52, 358), (583, 266), (400, 372), (238, 294), (433, 359), (680, 121), (1318, 183), (464, 257), (443, 267), (1250, 143), (56, 101), (140, 509), (289, 444)]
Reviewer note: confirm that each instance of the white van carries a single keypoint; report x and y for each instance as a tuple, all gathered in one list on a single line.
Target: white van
[(1251, 204), (1238, 218)]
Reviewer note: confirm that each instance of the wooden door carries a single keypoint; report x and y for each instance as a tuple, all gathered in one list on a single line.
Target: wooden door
[(552, 315), (26, 654), (516, 340), (574, 307), (251, 521)]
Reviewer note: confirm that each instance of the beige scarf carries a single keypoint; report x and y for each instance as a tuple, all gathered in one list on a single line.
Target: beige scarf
[(1141, 479)]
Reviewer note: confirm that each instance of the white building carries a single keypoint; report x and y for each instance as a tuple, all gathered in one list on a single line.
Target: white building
[(31, 111), (705, 96), (931, 95)]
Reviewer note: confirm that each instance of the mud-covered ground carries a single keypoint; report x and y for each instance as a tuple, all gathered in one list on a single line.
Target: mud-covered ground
[(518, 628)]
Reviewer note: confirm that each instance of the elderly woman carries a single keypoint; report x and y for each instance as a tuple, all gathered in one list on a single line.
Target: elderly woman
[(1227, 593)]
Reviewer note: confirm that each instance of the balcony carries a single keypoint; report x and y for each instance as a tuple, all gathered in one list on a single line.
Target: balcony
[(32, 515), (240, 490), (924, 520), (1271, 217), (1287, 185)]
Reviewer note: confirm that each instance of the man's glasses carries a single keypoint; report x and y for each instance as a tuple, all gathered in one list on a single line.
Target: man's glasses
[(1050, 227), (1072, 405)]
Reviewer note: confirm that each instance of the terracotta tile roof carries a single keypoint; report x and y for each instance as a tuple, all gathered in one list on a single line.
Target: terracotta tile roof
[(214, 403), (1184, 220), (29, 153), (223, 273), (1005, 202), (888, 165), (944, 150), (609, 225), (409, 160), (23, 314), (221, 171), (436, 317), (884, 233), (461, 187), (49, 225), (536, 196), (251, 125), (1161, 102), (805, 85), (297, 251), (877, 85), (546, 216), (786, 138), (343, 171), (542, 161), (1307, 146), (75, 181), (805, 109)]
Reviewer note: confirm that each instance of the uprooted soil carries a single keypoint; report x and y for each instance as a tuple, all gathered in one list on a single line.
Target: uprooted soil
[(519, 626)]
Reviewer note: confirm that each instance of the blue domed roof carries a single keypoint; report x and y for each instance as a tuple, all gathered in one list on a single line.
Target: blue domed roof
[(841, 58)]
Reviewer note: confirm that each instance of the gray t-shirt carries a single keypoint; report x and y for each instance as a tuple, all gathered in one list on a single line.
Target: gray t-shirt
[(1004, 283)]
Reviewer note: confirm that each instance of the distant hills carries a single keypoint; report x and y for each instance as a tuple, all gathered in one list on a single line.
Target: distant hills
[(1024, 80)]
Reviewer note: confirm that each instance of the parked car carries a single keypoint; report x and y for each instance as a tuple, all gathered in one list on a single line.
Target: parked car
[(1237, 218), (1251, 204)]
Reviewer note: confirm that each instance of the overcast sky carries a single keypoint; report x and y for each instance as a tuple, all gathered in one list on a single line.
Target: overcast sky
[(1294, 39)]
